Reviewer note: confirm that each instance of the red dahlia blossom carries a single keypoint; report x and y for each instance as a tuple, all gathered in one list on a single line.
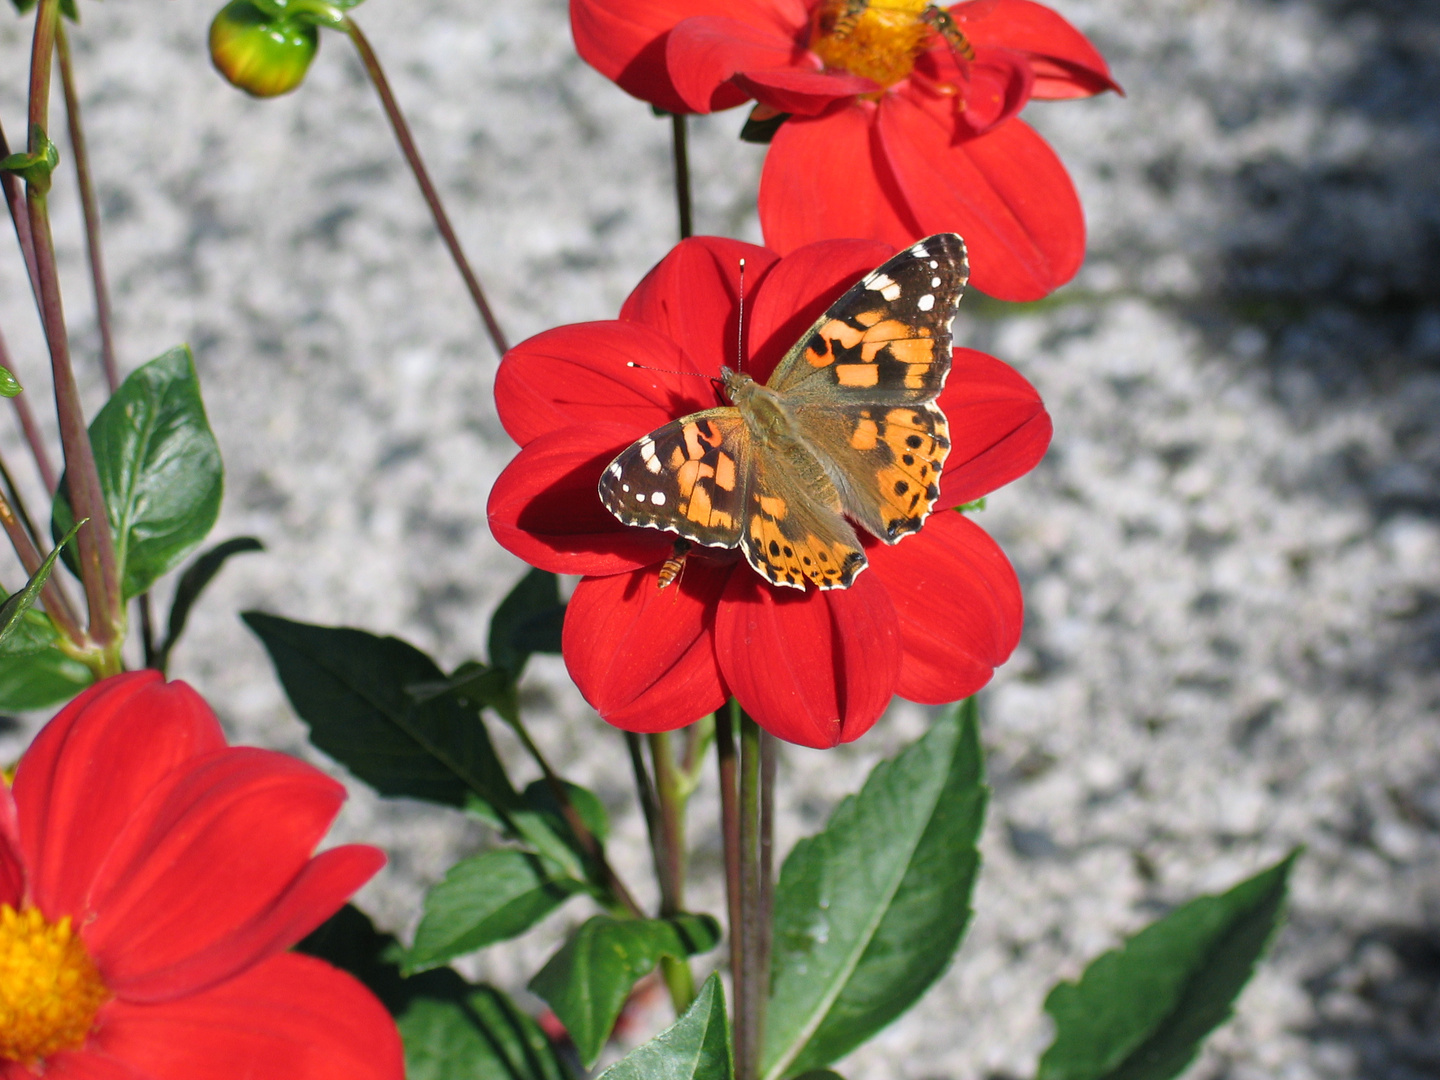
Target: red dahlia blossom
[(151, 879), (931, 617), (894, 133)]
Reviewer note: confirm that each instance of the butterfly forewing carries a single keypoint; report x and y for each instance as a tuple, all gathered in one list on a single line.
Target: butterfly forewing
[(687, 477), (887, 339)]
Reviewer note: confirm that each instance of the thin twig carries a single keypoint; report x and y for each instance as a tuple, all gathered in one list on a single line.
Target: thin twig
[(422, 177), (588, 841), (769, 759), (645, 792), (750, 1006), (56, 605), (90, 209), (679, 142), (98, 569), (29, 426), (15, 200)]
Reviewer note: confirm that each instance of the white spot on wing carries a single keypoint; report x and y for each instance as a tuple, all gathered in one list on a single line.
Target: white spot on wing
[(926, 302), (934, 265), (658, 498), (919, 251), (878, 282), (934, 283), (625, 488), (647, 452)]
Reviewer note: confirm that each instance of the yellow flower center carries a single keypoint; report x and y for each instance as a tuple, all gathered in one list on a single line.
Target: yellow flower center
[(49, 988), (876, 39)]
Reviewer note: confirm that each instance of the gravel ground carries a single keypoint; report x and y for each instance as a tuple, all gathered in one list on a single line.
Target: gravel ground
[(1231, 555)]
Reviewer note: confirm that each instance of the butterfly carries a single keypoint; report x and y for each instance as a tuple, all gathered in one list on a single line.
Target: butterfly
[(847, 426)]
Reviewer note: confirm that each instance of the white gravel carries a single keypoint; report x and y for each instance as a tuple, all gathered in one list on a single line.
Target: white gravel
[(1231, 555)]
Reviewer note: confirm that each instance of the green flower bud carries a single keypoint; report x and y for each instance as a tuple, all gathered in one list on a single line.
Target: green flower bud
[(262, 54)]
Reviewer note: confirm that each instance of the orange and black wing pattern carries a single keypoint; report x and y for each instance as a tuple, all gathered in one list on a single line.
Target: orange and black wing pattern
[(686, 477)]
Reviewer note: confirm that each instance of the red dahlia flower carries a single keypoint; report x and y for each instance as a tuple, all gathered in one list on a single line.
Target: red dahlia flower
[(151, 879), (930, 619), (901, 115)]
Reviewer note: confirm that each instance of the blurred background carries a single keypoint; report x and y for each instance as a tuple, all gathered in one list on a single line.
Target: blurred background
[(1231, 555)]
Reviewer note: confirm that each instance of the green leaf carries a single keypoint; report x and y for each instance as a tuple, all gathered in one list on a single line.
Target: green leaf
[(491, 897), (350, 687), (538, 822), (16, 605), (452, 1030), (160, 470), (527, 621), (1142, 1011), (695, 1047), (36, 166), (9, 385), (588, 980), (869, 912), (193, 582), (34, 672)]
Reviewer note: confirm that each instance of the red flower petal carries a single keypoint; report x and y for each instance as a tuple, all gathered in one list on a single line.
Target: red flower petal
[(802, 93), (1006, 192), (797, 292), (999, 429), (702, 53), (690, 297), (88, 770), (12, 864), (214, 871), (89, 1064), (625, 39), (822, 180), (1066, 64), (578, 375), (814, 668), (545, 507), (644, 657), (959, 607), (290, 1018)]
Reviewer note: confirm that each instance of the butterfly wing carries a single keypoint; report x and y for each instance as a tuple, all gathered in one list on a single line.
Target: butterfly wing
[(887, 340), (793, 524), (686, 477)]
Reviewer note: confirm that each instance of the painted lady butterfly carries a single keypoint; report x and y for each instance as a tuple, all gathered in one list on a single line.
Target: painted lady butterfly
[(847, 426)]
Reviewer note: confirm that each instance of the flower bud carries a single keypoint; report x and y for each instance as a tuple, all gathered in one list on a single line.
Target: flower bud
[(262, 54)]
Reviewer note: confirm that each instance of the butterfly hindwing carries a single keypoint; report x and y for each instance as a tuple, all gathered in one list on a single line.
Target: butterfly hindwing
[(685, 477), (793, 525), (887, 339)]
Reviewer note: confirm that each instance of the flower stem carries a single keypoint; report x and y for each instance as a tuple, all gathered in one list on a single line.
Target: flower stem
[(28, 424), (754, 889), (90, 209), (679, 141), (422, 177), (98, 569), (725, 719), (588, 841), (15, 200), (56, 605), (672, 797)]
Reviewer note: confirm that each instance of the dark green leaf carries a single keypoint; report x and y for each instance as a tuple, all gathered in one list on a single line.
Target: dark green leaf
[(34, 672), (488, 898), (160, 469), (869, 912), (762, 131), (695, 1047), (588, 980), (193, 582), (1141, 1012), (527, 621), (538, 822), (17, 604), (350, 687), (9, 386), (452, 1030)]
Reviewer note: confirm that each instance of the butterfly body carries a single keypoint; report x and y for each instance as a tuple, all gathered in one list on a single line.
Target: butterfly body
[(846, 427)]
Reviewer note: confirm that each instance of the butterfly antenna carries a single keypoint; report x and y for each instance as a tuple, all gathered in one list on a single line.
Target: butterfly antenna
[(665, 371), (740, 325)]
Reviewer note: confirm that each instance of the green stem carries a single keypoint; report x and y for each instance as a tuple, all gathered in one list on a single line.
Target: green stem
[(750, 993), (56, 604), (730, 832), (98, 569), (422, 177), (672, 797), (594, 850), (680, 145)]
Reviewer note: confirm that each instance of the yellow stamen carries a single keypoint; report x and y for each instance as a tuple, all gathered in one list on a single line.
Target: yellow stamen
[(50, 990), (876, 39)]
